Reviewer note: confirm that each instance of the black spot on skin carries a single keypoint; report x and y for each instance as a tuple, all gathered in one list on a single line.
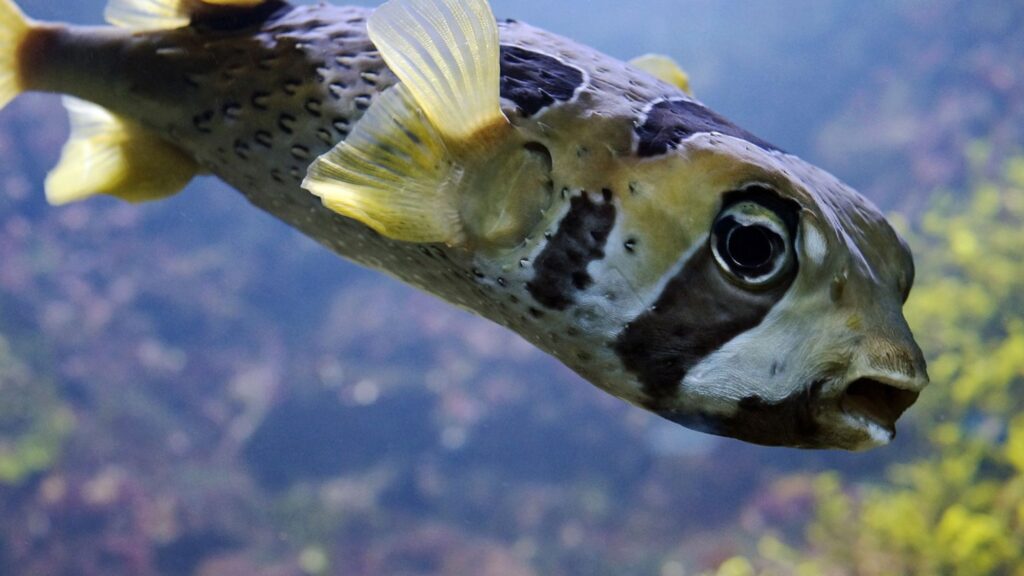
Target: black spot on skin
[(561, 269), (202, 122), (313, 106), (788, 422), (670, 122), (286, 122), (300, 152), (264, 138), (234, 18), (232, 110), (241, 150), (291, 87), (337, 90), (698, 312), (260, 100), (341, 126), (535, 81)]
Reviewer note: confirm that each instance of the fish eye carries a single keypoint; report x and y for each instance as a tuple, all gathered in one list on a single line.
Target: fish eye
[(752, 244)]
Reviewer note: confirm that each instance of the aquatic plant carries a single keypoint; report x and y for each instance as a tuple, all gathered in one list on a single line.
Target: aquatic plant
[(33, 422)]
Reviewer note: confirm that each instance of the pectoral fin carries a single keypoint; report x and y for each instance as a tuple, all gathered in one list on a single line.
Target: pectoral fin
[(393, 174), (108, 155), (401, 171), (446, 53), (665, 69), (165, 14)]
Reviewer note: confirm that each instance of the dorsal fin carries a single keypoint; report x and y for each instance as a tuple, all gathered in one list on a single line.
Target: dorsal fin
[(109, 155), (665, 69), (165, 14), (446, 52)]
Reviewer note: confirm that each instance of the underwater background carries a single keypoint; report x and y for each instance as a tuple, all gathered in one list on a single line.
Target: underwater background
[(191, 387)]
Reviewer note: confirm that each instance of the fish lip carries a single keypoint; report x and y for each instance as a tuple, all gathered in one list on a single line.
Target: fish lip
[(870, 406)]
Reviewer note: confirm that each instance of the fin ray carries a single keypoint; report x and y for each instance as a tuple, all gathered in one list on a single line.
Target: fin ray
[(391, 174), (447, 54), (164, 14), (108, 155)]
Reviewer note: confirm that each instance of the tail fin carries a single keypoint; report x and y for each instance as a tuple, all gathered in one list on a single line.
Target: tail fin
[(14, 26)]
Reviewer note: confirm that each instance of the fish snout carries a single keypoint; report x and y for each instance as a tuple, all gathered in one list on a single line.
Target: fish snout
[(885, 379)]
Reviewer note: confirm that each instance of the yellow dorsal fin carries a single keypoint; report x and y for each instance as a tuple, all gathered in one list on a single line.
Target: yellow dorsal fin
[(164, 14), (108, 155), (446, 52), (392, 174), (665, 69)]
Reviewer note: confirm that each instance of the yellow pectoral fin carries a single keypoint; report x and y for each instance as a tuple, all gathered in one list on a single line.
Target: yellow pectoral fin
[(446, 52), (665, 69), (401, 171), (393, 173), (165, 14), (108, 155)]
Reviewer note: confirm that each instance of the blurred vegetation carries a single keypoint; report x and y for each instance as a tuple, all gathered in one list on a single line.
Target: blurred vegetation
[(958, 508), (33, 421)]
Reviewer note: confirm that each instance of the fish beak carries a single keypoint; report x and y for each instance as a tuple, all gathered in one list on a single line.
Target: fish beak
[(885, 377), (869, 407)]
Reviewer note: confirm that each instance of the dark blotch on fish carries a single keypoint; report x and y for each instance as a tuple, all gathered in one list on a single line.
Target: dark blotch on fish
[(535, 81), (561, 269), (671, 121), (697, 313), (787, 422)]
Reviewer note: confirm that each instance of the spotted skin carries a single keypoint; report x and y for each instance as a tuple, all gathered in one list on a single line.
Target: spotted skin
[(615, 279)]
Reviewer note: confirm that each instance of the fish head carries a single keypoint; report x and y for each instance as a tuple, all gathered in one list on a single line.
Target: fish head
[(777, 299)]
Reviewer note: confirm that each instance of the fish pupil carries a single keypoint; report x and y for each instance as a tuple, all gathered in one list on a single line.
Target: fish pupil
[(751, 249)]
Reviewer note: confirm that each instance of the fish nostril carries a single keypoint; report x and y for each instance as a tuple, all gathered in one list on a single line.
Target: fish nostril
[(877, 401)]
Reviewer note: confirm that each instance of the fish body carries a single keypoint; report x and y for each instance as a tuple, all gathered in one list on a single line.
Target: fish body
[(665, 254)]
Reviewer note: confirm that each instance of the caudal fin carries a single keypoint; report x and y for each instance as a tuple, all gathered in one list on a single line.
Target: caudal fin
[(14, 26)]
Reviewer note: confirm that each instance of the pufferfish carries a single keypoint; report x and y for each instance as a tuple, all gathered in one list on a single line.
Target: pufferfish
[(668, 256)]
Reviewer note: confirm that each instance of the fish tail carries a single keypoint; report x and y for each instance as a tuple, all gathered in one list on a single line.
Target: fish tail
[(14, 29)]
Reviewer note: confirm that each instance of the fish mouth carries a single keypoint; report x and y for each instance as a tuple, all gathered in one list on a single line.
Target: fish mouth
[(873, 406)]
